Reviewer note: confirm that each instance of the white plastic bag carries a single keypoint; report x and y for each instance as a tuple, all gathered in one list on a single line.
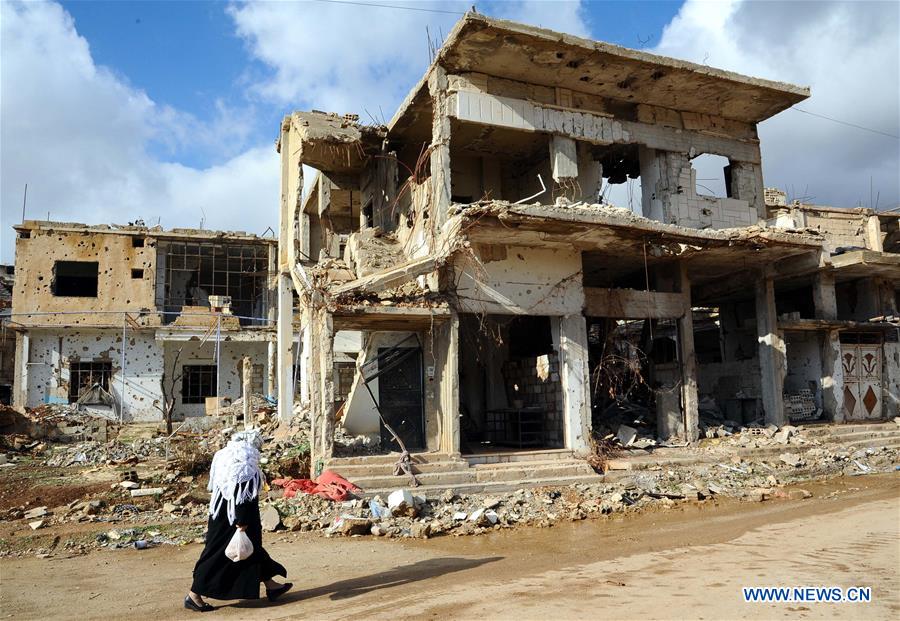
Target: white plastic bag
[(240, 547)]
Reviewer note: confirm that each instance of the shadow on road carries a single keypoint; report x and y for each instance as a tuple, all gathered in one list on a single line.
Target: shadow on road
[(398, 576)]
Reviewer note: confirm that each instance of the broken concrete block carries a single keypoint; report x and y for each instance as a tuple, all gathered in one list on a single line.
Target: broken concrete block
[(460, 516), (618, 464), (626, 435), (349, 525), (420, 530), (36, 524), (35, 513), (491, 503), (270, 518), (799, 494), (129, 485), (791, 459), (491, 516), (401, 502), (170, 507), (147, 491)]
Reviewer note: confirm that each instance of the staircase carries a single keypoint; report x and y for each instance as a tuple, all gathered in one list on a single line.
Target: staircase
[(471, 474)]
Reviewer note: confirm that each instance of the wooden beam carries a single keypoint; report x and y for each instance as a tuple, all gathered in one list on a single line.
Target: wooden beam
[(633, 304)]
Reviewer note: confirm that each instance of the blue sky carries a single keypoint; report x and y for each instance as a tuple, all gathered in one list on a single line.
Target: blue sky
[(168, 111), (188, 55)]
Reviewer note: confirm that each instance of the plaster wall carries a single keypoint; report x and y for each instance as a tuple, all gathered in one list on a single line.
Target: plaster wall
[(804, 363), (116, 289), (231, 355), (520, 280), (51, 353)]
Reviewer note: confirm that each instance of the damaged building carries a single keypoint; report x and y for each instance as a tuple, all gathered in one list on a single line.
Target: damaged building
[(127, 321), (467, 293)]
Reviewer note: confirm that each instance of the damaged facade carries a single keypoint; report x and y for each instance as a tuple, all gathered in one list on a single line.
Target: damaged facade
[(459, 271), (122, 320)]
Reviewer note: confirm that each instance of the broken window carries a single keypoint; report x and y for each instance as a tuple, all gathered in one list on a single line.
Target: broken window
[(137, 242), (193, 272), (85, 375), (137, 273), (198, 381), (711, 178), (75, 279)]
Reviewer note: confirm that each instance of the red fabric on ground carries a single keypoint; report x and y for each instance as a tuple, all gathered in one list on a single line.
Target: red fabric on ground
[(327, 485)]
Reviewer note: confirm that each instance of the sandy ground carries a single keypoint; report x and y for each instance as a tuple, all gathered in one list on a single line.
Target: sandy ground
[(685, 563)]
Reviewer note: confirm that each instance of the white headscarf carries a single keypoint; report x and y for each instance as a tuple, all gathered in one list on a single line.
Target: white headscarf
[(235, 476)]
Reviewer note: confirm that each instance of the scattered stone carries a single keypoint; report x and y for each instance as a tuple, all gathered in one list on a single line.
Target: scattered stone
[(37, 512), (169, 507), (420, 530), (270, 518), (491, 503), (791, 459), (147, 491), (129, 485), (349, 525), (402, 503), (36, 524), (799, 494)]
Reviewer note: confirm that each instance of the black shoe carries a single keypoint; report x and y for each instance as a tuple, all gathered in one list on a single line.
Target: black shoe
[(190, 604), (274, 594)]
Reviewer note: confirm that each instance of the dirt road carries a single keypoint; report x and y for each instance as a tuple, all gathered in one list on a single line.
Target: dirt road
[(686, 563)]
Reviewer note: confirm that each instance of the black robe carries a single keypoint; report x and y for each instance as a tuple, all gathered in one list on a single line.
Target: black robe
[(216, 575)]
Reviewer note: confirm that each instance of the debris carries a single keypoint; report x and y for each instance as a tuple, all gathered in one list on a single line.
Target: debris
[(270, 518), (626, 435), (36, 524), (147, 491), (35, 513), (129, 485), (791, 459), (349, 525), (402, 503)]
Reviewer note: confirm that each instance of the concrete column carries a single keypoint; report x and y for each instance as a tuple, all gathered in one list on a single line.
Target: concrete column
[(285, 337), (688, 359), (873, 234), (271, 368), (440, 143), (20, 376), (449, 386), (574, 374), (325, 337), (247, 379), (772, 352), (305, 354), (832, 382), (824, 297)]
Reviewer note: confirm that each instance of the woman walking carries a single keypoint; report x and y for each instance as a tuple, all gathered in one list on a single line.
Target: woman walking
[(234, 480)]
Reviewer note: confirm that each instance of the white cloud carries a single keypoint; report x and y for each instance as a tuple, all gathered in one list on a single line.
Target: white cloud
[(81, 138), (347, 58), (849, 55)]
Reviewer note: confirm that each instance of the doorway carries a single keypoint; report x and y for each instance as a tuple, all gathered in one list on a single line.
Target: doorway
[(402, 400)]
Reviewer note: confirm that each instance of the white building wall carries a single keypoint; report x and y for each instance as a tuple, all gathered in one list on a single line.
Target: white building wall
[(53, 350)]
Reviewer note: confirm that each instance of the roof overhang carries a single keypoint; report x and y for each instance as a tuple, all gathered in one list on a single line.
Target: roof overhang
[(539, 56), (866, 263)]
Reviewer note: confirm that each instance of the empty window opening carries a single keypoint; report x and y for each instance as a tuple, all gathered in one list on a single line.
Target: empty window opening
[(85, 375), (621, 176), (75, 279), (193, 272), (710, 174), (137, 242), (24, 234), (344, 373), (137, 273), (197, 383)]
